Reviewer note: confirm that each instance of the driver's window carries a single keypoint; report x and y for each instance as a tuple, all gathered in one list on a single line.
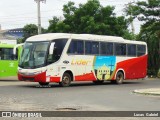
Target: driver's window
[(57, 51)]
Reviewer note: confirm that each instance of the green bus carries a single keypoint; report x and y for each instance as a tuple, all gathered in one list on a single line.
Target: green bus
[(9, 57)]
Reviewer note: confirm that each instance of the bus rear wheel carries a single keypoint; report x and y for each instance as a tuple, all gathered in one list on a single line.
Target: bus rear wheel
[(66, 80), (119, 78), (44, 83)]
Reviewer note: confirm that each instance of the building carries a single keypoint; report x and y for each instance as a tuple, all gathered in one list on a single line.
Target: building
[(12, 34)]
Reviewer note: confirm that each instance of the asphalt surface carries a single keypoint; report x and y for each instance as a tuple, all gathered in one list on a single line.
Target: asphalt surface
[(83, 96)]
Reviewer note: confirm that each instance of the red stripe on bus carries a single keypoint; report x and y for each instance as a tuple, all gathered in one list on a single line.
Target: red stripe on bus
[(85, 77), (134, 68), (54, 79)]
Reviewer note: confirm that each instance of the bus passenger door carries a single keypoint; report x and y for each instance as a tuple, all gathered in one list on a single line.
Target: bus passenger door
[(8, 66)]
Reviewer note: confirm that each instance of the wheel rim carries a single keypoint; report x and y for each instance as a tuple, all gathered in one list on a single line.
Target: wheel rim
[(119, 77), (66, 80)]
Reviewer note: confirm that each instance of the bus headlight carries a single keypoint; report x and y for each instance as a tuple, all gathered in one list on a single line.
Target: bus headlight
[(31, 73), (38, 72)]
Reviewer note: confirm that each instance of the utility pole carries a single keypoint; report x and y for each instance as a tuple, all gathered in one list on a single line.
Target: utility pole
[(39, 14), (132, 25)]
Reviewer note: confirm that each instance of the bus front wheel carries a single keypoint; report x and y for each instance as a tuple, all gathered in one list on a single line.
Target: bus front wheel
[(66, 80)]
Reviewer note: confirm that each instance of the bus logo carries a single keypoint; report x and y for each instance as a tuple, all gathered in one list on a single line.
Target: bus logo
[(6, 114), (11, 64)]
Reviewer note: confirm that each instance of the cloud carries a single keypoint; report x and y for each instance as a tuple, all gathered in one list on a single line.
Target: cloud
[(17, 13)]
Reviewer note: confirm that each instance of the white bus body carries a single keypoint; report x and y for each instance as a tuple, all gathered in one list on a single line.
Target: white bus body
[(62, 58)]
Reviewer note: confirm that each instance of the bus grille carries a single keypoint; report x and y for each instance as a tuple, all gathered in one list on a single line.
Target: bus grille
[(26, 78)]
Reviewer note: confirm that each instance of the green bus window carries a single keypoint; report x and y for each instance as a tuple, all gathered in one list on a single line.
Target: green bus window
[(6, 53)]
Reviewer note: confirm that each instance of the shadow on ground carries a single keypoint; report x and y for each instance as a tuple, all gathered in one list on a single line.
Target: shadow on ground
[(9, 81), (84, 84)]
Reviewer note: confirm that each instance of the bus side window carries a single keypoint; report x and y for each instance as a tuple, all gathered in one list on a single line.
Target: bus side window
[(109, 47), (95, 48), (6, 53), (80, 47), (88, 47), (91, 47), (76, 47), (120, 49), (73, 47), (57, 51), (141, 50), (131, 50), (106, 48)]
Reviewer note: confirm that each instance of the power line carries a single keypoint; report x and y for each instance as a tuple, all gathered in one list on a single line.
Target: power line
[(30, 13), (24, 18)]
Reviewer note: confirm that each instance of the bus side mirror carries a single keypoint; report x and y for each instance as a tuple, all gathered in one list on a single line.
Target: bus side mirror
[(15, 54), (51, 48), (15, 51), (15, 47)]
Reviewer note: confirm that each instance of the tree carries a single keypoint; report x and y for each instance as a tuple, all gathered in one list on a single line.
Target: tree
[(31, 30), (149, 12), (91, 18)]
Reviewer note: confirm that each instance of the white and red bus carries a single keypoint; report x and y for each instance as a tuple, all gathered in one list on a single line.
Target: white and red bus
[(63, 58)]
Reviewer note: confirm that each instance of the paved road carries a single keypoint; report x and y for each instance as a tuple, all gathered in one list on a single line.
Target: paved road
[(15, 95)]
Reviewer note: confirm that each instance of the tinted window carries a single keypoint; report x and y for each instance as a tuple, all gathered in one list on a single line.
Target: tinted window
[(131, 50), (141, 50), (95, 47), (6, 54), (120, 49), (88, 47), (57, 51), (91, 47), (76, 47), (106, 48), (34, 54)]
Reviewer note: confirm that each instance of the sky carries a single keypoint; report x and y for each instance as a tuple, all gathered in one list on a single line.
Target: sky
[(17, 13)]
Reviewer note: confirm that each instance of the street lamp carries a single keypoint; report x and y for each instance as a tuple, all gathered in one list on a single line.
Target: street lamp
[(39, 14)]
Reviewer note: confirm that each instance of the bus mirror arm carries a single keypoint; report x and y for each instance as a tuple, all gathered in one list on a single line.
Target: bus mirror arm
[(14, 49), (51, 48)]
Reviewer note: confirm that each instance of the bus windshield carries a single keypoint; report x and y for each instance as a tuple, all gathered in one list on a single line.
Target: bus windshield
[(34, 54)]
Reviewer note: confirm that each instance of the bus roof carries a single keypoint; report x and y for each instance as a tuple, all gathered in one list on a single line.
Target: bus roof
[(6, 41), (51, 36), (7, 46)]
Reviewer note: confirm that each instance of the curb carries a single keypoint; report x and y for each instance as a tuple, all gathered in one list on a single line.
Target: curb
[(150, 91)]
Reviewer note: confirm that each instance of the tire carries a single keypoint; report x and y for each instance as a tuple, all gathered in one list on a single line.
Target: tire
[(119, 78), (66, 80), (98, 82), (44, 83)]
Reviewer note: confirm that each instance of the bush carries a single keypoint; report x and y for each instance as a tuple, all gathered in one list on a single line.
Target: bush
[(151, 73), (158, 75)]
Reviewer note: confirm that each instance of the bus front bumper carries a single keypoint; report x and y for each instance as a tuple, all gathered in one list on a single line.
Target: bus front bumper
[(40, 77)]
